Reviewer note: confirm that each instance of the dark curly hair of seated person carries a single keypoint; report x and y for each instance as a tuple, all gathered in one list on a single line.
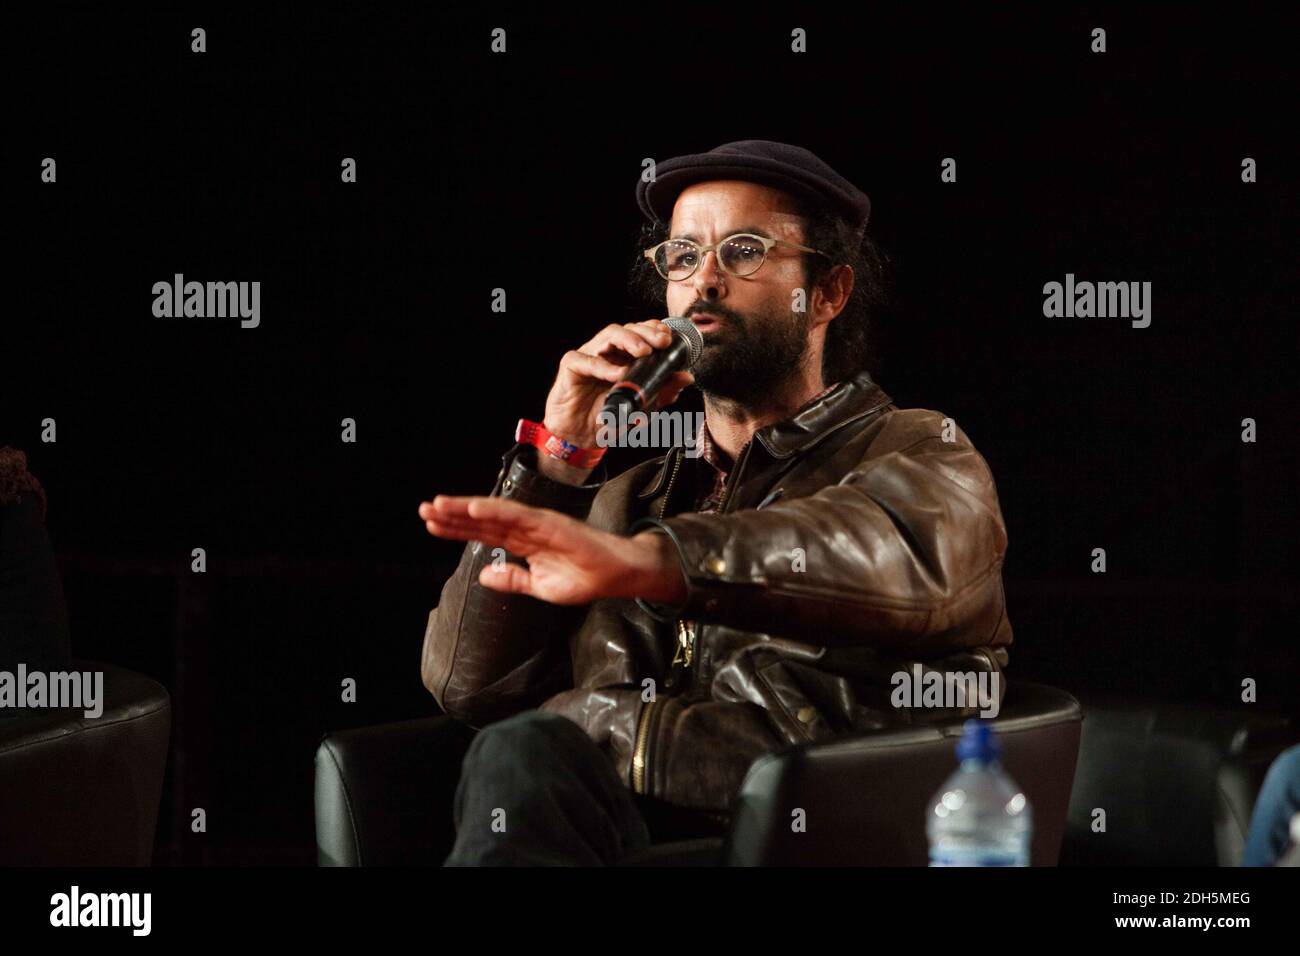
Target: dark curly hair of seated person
[(16, 481)]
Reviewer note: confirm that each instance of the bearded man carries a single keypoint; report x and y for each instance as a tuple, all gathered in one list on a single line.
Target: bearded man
[(627, 646)]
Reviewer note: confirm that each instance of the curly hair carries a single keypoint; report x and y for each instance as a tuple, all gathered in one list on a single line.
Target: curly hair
[(851, 340), (16, 480)]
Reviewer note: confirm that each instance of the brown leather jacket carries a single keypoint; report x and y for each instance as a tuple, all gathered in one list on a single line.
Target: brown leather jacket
[(854, 540)]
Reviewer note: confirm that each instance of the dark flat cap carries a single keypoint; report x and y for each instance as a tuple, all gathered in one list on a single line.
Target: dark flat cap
[(781, 165)]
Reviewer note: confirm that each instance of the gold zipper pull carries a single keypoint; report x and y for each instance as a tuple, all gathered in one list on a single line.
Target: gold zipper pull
[(685, 643)]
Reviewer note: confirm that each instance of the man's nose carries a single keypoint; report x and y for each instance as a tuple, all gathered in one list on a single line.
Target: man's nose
[(709, 279)]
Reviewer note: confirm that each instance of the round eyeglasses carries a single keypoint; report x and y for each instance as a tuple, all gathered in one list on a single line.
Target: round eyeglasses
[(740, 255)]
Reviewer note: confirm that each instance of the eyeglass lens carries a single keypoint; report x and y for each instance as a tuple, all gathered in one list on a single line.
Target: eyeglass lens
[(739, 255)]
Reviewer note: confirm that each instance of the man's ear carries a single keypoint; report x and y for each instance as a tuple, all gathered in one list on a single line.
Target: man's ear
[(833, 291)]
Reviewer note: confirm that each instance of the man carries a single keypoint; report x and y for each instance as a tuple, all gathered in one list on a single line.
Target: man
[(629, 645)]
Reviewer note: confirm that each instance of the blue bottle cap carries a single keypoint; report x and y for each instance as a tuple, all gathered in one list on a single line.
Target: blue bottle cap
[(978, 742)]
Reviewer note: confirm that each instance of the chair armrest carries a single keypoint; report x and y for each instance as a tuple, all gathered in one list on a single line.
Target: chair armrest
[(384, 793)]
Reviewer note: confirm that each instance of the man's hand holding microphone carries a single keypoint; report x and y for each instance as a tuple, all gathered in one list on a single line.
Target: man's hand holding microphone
[(569, 562), (585, 378)]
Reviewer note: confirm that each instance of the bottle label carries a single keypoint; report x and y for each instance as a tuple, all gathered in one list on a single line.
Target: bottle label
[(977, 856)]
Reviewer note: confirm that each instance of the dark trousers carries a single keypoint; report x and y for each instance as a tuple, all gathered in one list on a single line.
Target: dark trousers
[(535, 790)]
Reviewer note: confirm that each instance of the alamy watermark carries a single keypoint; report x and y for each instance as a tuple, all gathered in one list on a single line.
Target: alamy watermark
[(53, 689), (1102, 300), (75, 908), (180, 299), (658, 429), (948, 689)]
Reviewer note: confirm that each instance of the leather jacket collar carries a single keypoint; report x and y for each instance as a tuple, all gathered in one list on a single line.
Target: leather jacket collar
[(849, 401)]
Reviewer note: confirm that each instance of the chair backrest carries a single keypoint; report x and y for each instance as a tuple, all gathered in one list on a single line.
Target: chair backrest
[(864, 798), (1168, 784)]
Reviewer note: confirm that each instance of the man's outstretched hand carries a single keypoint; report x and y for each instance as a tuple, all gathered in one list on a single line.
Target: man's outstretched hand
[(569, 562)]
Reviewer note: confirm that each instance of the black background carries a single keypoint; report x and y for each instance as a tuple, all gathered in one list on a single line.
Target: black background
[(478, 171)]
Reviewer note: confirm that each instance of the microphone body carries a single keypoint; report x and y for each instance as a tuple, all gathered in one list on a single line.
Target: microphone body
[(646, 376)]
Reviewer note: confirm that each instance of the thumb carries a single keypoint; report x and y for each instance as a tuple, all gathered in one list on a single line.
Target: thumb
[(507, 577)]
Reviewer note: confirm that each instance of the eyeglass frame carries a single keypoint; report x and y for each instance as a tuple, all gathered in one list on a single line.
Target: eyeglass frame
[(703, 251)]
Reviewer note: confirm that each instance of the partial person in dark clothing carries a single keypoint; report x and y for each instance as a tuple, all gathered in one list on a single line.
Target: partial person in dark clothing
[(33, 616)]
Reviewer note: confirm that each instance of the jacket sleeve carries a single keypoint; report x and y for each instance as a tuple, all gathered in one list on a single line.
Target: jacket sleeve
[(904, 553), (488, 654)]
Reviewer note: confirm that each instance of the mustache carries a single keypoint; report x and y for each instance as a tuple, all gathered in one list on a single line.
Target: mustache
[(720, 311)]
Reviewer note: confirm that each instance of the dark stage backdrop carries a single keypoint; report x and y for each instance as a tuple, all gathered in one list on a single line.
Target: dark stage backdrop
[(478, 171)]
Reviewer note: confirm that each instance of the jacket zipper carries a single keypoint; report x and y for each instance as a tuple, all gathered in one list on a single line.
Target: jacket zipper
[(734, 477), (687, 632), (663, 505), (639, 752), (642, 743)]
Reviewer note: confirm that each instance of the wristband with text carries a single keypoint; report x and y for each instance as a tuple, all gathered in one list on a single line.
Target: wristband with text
[(535, 433)]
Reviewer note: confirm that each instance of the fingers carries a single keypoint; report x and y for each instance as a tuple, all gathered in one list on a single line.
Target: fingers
[(605, 359), (445, 505), (507, 577), (623, 344), (591, 366), (496, 522), (488, 537), (474, 506)]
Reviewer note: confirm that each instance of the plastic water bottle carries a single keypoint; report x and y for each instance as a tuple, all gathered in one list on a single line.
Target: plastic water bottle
[(979, 817)]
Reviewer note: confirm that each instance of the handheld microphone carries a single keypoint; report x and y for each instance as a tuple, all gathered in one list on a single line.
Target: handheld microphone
[(646, 376)]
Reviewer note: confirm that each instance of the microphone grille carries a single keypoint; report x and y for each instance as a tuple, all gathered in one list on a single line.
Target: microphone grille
[(689, 332)]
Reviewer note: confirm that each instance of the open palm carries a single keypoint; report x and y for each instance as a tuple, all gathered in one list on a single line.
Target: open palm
[(569, 562)]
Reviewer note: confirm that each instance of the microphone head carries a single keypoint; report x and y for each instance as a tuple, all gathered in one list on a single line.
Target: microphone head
[(692, 335)]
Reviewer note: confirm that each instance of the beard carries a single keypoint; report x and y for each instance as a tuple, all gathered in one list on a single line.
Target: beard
[(750, 357)]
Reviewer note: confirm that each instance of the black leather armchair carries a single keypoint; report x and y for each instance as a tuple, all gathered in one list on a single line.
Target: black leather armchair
[(74, 791), (384, 793), (1178, 782), (84, 792)]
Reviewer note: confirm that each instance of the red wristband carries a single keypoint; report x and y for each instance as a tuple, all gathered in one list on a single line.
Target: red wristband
[(537, 434)]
